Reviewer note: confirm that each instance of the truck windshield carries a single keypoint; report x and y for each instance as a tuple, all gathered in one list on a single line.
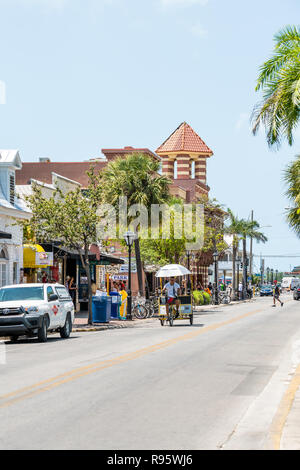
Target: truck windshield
[(21, 293)]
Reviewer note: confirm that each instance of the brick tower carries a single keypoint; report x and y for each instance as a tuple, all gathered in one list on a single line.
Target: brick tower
[(184, 156)]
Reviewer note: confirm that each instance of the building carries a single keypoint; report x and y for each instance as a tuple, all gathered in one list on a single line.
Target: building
[(12, 210), (184, 160), (183, 157)]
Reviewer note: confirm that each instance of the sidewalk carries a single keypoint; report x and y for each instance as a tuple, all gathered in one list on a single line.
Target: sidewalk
[(81, 319)]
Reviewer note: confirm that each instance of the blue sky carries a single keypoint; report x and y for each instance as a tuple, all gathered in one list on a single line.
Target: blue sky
[(82, 75)]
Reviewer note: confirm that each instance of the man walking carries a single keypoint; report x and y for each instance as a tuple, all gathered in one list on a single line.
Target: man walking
[(276, 295)]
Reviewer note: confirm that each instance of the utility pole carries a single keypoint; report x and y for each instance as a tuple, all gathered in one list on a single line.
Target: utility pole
[(251, 250)]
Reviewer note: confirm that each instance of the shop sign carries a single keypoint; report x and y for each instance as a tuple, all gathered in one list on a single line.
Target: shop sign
[(44, 259)]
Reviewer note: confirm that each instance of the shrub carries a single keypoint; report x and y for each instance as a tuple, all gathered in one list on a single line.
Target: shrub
[(198, 297), (206, 298)]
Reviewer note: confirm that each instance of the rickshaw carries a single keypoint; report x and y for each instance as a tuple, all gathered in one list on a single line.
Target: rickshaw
[(185, 301)]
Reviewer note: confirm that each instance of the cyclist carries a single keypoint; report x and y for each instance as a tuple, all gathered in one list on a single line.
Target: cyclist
[(172, 290)]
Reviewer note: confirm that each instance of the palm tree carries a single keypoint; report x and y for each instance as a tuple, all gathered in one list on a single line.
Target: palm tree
[(234, 229), (136, 177), (279, 81), (249, 230), (292, 178)]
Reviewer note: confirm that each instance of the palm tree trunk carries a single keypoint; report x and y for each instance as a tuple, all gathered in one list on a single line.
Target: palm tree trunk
[(234, 250), (139, 266), (244, 267)]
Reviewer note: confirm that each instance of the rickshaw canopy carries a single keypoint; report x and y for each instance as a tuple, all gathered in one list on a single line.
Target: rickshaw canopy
[(172, 270)]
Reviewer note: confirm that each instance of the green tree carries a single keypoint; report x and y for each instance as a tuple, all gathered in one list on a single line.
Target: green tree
[(249, 229), (279, 80), (234, 228), (292, 179), (69, 218)]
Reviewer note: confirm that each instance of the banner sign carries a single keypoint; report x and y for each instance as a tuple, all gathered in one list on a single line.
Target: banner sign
[(44, 259)]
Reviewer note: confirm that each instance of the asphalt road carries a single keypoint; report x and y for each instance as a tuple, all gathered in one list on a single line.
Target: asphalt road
[(214, 385)]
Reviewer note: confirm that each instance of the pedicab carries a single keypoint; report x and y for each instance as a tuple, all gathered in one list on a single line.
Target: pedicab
[(185, 301)]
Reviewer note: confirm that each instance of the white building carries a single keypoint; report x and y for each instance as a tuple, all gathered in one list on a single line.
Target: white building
[(11, 210)]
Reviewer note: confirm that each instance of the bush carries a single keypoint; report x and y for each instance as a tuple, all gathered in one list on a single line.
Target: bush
[(206, 298), (198, 297)]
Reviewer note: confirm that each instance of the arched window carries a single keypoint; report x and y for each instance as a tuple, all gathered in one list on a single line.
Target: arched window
[(175, 170), (192, 169)]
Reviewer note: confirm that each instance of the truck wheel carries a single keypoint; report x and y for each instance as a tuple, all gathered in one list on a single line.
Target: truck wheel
[(67, 328), (42, 332), (14, 339)]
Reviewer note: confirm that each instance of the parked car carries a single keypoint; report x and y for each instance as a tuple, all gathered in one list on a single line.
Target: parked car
[(266, 290), (296, 294), (34, 310)]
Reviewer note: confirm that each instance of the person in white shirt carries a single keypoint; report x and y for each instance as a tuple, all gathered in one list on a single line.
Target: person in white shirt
[(172, 289)]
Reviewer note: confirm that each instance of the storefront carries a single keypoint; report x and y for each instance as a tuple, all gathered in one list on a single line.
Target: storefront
[(38, 264)]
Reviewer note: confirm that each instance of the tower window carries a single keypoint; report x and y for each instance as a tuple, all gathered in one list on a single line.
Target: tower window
[(192, 169)]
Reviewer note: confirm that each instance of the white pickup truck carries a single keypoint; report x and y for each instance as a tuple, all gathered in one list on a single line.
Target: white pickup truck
[(34, 309)]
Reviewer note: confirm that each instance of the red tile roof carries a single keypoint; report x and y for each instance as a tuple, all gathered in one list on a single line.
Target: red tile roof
[(184, 139)]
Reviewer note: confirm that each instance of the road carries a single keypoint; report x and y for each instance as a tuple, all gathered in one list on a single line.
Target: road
[(214, 385)]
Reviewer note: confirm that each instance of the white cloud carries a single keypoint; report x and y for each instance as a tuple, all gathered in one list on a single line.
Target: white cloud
[(183, 3)]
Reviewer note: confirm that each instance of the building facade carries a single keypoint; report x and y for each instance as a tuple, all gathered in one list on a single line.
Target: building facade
[(11, 211)]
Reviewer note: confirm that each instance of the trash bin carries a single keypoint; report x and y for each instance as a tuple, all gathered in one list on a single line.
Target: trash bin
[(115, 305), (101, 309)]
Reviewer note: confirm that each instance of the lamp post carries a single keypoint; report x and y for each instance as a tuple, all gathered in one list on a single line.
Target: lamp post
[(276, 274), (272, 275), (129, 238), (216, 257), (268, 275), (238, 262)]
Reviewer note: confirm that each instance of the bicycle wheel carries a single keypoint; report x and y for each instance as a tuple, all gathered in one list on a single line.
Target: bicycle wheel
[(140, 312)]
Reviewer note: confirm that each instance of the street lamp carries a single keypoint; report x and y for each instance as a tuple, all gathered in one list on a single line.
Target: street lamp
[(238, 262), (272, 275), (216, 257), (129, 238)]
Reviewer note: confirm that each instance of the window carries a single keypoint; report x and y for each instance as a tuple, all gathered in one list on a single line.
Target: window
[(192, 169), (3, 268), (175, 170), (21, 293), (49, 292), (12, 189), (62, 292)]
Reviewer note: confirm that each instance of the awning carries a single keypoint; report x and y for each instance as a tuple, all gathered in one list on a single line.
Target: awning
[(5, 236), (29, 256), (105, 259)]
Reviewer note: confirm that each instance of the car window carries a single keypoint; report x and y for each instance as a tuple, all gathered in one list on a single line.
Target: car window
[(62, 292), (49, 292), (21, 293)]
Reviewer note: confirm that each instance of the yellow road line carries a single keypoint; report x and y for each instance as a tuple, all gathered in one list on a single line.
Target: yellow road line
[(283, 411), (74, 374)]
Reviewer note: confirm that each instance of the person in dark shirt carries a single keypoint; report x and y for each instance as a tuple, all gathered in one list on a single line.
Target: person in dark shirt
[(276, 295)]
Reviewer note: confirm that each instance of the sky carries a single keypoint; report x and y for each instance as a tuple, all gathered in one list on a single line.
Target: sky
[(80, 75)]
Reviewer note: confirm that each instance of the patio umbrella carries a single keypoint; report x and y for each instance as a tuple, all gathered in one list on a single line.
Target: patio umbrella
[(172, 270)]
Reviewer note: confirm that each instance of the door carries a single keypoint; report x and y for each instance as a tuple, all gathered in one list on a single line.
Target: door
[(54, 309)]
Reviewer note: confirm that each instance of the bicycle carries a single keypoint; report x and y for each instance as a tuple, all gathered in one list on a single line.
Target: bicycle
[(152, 306), (139, 310)]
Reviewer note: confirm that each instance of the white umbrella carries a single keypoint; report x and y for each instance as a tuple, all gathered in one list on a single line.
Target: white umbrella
[(172, 270)]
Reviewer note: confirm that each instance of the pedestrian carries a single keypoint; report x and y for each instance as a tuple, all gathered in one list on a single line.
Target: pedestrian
[(210, 286), (276, 295), (72, 290), (68, 279), (115, 287), (240, 290)]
